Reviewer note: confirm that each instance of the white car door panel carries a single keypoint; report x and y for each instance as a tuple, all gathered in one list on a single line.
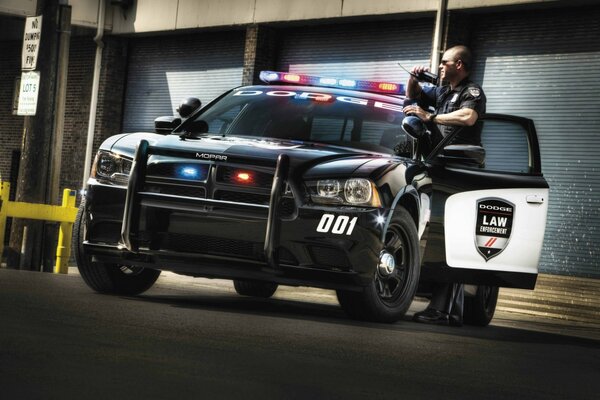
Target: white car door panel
[(514, 241)]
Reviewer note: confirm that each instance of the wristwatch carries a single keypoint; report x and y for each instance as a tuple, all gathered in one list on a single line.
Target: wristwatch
[(432, 117)]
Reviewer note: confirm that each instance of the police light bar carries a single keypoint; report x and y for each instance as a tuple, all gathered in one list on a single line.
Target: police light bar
[(310, 80)]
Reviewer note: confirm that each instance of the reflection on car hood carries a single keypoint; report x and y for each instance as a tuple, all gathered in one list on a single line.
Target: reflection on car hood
[(330, 159)]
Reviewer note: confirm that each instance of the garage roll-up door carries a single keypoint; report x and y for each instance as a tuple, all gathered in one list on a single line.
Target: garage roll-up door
[(544, 65), (164, 70), (359, 50)]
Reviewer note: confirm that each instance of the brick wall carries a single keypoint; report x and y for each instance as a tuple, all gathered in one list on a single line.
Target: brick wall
[(112, 89), (11, 126), (77, 109), (79, 91)]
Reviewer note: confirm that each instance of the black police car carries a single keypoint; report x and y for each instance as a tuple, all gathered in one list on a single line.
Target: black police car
[(310, 181)]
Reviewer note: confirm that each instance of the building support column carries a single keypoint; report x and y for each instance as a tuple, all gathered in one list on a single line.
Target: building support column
[(260, 53), (34, 186), (458, 29)]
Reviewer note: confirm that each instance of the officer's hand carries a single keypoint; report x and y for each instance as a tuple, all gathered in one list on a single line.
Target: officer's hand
[(416, 70), (416, 111)]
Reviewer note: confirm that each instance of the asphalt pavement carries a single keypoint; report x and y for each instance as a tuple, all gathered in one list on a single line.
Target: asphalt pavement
[(196, 338)]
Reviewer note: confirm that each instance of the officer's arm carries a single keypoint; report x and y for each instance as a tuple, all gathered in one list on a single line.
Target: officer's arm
[(413, 89), (462, 117)]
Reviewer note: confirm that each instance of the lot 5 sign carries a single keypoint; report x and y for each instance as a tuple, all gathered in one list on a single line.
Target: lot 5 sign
[(28, 94)]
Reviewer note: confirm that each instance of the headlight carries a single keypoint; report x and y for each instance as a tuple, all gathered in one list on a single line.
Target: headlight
[(111, 168), (354, 192), (358, 191)]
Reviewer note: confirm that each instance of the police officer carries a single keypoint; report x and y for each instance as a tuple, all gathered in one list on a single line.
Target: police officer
[(458, 105)]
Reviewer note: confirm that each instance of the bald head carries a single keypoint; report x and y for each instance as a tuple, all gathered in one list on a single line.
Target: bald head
[(461, 53)]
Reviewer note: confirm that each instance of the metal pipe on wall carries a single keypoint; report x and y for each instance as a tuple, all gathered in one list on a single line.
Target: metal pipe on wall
[(437, 35), (95, 88)]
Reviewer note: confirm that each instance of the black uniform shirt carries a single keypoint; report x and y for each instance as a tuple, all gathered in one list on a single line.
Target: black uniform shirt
[(467, 94)]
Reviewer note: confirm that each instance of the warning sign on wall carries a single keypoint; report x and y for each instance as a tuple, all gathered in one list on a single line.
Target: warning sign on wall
[(28, 94), (31, 42)]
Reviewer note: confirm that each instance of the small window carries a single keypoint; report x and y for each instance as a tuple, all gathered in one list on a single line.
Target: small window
[(506, 146)]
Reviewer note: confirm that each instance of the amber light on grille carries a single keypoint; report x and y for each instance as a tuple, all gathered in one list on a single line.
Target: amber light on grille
[(244, 177)]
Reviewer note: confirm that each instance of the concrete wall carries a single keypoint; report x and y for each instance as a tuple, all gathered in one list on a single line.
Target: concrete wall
[(85, 13), (165, 15), (18, 7)]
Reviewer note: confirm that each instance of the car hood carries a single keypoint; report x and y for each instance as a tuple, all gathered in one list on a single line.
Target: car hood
[(313, 159)]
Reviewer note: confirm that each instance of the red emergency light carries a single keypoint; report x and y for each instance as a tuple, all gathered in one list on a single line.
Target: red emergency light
[(244, 177)]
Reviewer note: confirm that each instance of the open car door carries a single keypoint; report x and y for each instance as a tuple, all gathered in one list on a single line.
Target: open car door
[(488, 219)]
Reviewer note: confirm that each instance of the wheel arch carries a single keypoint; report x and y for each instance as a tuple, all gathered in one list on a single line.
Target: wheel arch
[(409, 200)]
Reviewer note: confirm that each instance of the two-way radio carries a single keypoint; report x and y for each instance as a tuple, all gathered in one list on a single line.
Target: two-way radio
[(424, 76)]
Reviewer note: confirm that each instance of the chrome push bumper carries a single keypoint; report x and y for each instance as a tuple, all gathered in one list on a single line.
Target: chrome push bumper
[(137, 197)]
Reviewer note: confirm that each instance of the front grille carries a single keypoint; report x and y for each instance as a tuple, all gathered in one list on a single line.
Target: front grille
[(241, 197), (170, 178), (330, 258), (211, 245), (176, 190), (286, 209)]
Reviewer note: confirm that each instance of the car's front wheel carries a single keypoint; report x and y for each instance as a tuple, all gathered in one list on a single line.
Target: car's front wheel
[(255, 288), (390, 294), (106, 277)]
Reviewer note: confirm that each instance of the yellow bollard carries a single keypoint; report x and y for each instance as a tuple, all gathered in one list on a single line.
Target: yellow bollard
[(4, 195), (63, 250), (64, 214)]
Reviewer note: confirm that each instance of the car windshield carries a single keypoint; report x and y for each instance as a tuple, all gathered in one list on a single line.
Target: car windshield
[(325, 117)]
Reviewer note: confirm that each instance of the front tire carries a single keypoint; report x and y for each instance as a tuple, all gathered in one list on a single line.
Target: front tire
[(106, 277), (479, 309), (255, 288), (387, 298)]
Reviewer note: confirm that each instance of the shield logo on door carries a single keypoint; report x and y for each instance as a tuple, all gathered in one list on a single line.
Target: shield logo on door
[(494, 226)]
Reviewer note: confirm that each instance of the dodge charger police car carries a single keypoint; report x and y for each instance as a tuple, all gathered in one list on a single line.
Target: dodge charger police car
[(310, 181)]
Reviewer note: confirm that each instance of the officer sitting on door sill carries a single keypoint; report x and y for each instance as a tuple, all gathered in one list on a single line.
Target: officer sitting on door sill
[(458, 104)]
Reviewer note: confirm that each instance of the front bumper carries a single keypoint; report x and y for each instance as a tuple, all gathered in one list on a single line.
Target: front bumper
[(210, 238)]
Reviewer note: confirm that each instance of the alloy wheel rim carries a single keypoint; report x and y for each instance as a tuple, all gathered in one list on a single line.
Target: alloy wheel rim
[(390, 288)]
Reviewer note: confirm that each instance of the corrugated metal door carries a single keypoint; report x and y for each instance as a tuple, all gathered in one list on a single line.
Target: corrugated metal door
[(360, 50), (544, 65), (164, 70)]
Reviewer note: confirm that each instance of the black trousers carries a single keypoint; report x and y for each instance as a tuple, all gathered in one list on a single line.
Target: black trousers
[(448, 298)]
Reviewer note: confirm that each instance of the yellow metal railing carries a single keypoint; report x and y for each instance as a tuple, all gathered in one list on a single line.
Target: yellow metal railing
[(65, 214)]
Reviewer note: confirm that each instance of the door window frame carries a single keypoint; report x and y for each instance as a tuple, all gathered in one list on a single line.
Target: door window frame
[(535, 162)]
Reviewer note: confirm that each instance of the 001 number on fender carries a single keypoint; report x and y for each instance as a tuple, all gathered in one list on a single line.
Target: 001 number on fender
[(336, 225)]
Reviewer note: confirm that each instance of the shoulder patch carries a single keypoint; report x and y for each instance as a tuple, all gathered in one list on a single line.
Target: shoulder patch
[(475, 92)]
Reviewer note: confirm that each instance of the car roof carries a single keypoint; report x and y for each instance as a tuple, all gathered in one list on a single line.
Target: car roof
[(389, 98)]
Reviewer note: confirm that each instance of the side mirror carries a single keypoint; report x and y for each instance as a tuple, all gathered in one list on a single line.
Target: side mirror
[(188, 106), (414, 127), (464, 154), (165, 125)]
